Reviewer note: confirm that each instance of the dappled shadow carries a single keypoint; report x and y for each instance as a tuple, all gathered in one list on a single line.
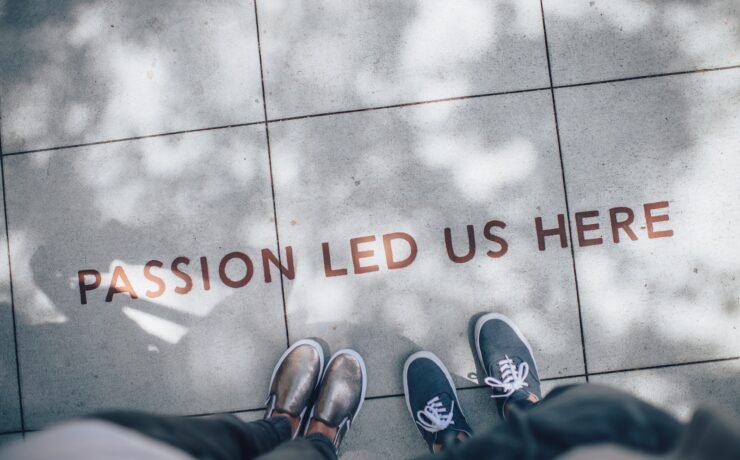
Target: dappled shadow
[(201, 195), (329, 56), (415, 169), (79, 71), (592, 40)]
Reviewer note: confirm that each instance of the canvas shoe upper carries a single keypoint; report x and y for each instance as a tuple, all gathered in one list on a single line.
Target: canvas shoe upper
[(506, 356), (432, 400)]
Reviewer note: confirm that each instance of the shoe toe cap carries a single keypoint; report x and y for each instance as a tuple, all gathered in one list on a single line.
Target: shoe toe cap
[(296, 379)]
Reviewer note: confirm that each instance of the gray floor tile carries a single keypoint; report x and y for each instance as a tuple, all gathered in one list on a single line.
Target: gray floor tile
[(10, 415), (549, 385), (120, 205), (332, 56), (250, 416), (6, 439), (384, 428), (76, 72), (681, 389), (419, 170), (592, 40), (670, 299)]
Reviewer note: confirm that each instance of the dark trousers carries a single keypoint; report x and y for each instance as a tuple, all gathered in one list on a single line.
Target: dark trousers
[(225, 437), (569, 417)]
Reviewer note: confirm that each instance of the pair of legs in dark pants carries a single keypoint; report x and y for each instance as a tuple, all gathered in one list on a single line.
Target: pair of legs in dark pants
[(570, 417), (225, 437)]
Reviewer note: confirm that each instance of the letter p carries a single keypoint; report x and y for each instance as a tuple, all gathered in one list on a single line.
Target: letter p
[(87, 287)]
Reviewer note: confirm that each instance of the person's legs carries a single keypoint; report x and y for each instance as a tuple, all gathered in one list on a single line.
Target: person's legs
[(220, 437), (312, 447)]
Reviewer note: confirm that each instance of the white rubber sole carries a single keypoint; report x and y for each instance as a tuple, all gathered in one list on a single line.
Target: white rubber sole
[(297, 344), (489, 316), (432, 357)]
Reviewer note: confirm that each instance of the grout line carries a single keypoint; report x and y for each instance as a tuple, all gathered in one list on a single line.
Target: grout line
[(272, 182), (565, 377), (370, 109), (643, 77), (10, 279), (408, 104), (663, 366), (475, 387), (135, 138), (565, 193)]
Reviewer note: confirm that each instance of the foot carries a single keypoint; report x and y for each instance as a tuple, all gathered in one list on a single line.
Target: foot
[(508, 361), (340, 396), (432, 401), (294, 380)]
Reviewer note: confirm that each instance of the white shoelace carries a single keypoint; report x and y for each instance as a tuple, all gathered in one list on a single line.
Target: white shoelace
[(514, 378), (435, 417)]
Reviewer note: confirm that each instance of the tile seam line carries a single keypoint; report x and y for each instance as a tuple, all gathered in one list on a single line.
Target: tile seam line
[(370, 109), (134, 138), (10, 280), (478, 387), (565, 194), (276, 120), (370, 398), (665, 366), (499, 93), (647, 76), (408, 104), (272, 181), (565, 377)]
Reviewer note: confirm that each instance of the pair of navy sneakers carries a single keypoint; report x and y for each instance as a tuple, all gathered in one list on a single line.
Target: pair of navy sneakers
[(507, 359)]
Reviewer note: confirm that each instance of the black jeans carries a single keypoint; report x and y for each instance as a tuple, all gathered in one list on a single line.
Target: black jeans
[(225, 437), (569, 417)]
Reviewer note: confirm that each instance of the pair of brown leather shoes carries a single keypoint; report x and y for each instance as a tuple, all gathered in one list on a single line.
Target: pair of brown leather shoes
[(300, 373)]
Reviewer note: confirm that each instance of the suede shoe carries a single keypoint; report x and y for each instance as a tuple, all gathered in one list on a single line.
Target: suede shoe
[(294, 380), (341, 393), (432, 400), (507, 358)]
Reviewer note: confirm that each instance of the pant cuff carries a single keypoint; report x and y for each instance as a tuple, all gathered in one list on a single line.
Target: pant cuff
[(323, 444)]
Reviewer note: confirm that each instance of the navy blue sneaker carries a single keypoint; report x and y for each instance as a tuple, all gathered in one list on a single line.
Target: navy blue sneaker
[(432, 400), (508, 361)]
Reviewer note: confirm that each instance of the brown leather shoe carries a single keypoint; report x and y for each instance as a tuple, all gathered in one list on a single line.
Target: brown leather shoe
[(296, 376), (342, 392)]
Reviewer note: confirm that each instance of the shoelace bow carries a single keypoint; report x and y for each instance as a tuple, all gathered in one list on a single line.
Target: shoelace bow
[(514, 378), (435, 417)]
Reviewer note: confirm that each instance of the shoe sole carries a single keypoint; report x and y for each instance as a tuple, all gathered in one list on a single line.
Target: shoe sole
[(354, 354), (489, 316), (432, 357), (297, 344)]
